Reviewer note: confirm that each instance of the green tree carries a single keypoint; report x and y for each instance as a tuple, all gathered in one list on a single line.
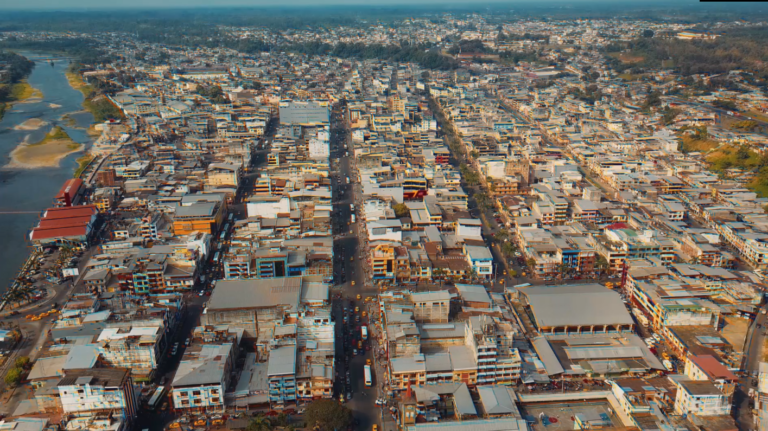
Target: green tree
[(13, 377), (328, 415), (508, 248), (648, 33), (22, 362), (601, 264), (401, 210), (501, 235)]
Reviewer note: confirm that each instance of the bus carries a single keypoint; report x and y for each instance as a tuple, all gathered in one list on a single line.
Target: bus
[(156, 397), (216, 258), (522, 285), (367, 372), (364, 332), (353, 218)]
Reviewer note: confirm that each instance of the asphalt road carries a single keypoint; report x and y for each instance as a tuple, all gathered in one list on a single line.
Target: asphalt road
[(348, 268)]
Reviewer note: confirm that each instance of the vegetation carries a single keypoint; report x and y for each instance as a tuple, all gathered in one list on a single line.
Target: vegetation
[(82, 163), (401, 210), (13, 87), (14, 376), (327, 414), (57, 133), (738, 49), (696, 139), (213, 93)]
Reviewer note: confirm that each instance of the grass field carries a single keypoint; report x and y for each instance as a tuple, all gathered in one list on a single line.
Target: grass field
[(76, 81), (82, 163)]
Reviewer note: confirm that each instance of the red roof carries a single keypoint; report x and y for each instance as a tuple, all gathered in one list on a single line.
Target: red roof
[(617, 226), (713, 367), (64, 222), (66, 232), (69, 212), (71, 187)]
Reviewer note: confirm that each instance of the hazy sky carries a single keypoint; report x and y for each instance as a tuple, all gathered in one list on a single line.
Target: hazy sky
[(143, 4)]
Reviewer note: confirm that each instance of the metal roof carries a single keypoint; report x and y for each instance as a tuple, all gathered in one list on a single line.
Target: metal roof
[(282, 361), (576, 305)]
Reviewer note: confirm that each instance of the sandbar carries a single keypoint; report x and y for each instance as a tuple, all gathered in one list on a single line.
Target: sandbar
[(31, 124), (44, 154)]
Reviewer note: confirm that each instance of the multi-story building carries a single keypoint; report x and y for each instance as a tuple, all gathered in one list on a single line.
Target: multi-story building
[(203, 376), (94, 391)]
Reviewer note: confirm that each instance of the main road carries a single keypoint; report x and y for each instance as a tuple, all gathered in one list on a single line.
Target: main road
[(350, 280)]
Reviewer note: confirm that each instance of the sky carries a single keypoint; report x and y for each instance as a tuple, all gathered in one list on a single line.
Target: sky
[(154, 4)]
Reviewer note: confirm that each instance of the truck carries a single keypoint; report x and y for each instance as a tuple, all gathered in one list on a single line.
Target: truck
[(364, 332)]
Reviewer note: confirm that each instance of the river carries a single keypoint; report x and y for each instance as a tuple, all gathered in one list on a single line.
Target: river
[(25, 193)]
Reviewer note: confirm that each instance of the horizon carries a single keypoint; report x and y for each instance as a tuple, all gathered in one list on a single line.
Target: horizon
[(174, 5)]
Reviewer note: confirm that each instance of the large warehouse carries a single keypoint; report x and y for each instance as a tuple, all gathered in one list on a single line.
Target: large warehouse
[(577, 309), (66, 225)]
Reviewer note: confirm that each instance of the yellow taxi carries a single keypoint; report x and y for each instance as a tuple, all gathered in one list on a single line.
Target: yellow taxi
[(353, 282), (359, 296)]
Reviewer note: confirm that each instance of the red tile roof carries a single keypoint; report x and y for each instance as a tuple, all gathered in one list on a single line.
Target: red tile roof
[(713, 367)]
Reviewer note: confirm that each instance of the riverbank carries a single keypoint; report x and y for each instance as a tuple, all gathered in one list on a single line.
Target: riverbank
[(46, 153), (98, 105), (76, 82), (21, 92)]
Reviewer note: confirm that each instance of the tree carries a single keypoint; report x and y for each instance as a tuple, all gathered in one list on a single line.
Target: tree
[(328, 414), (22, 362), (13, 377), (501, 235), (508, 248), (259, 423), (531, 263), (648, 33), (401, 210), (601, 264)]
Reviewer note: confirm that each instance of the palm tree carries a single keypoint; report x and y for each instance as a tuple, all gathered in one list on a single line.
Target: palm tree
[(439, 273), (601, 264), (259, 423)]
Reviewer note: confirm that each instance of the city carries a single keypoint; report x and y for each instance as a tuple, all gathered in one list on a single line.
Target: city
[(408, 221)]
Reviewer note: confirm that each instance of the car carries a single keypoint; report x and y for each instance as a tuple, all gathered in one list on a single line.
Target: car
[(368, 361), (359, 296), (186, 342), (353, 282), (357, 309), (375, 428), (354, 352), (364, 313)]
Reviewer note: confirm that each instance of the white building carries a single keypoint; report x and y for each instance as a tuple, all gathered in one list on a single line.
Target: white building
[(701, 398), (385, 230), (268, 207), (89, 391), (201, 380)]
